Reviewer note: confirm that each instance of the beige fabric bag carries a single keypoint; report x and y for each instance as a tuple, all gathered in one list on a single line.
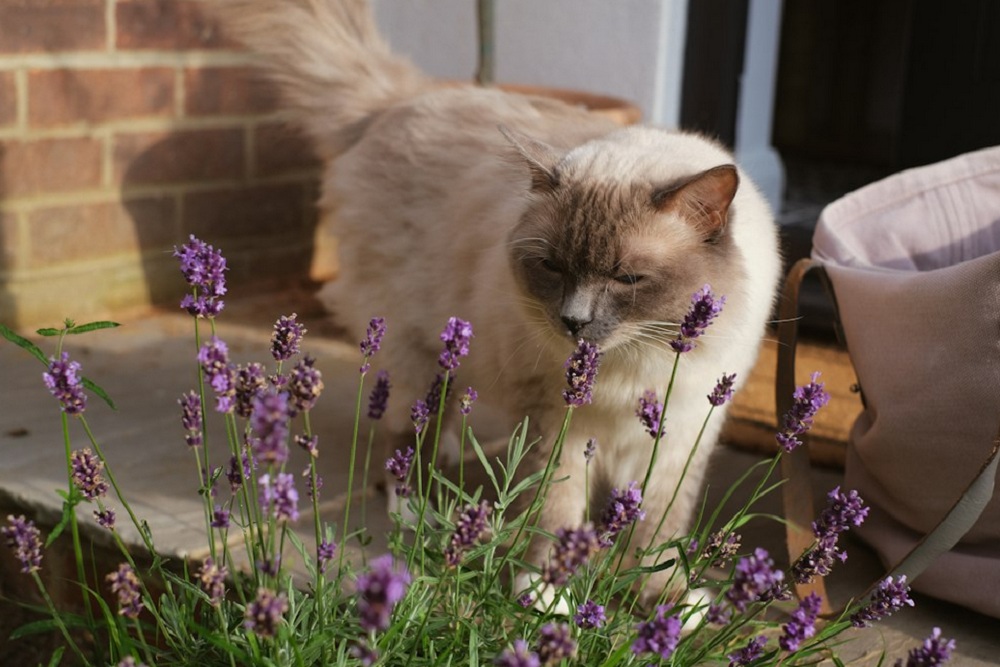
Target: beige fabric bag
[(914, 261)]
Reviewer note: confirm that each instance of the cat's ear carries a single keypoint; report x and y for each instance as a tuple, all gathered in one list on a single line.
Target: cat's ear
[(541, 158), (703, 200)]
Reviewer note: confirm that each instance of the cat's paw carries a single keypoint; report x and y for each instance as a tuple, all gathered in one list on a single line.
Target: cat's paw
[(698, 601), (546, 598)]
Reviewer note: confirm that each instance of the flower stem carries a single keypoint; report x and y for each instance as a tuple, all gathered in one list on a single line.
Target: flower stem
[(350, 471), (57, 619)]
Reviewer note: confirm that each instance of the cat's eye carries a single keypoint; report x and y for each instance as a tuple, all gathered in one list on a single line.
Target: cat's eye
[(551, 266), (628, 278)]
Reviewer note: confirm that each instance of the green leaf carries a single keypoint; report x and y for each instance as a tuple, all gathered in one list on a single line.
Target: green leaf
[(57, 656), (23, 343), (46, 625), (49, 332), (92, 326), (99, 392), (67, 516)]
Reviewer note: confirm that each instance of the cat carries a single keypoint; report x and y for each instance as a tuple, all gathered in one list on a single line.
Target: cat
[(541, 224)]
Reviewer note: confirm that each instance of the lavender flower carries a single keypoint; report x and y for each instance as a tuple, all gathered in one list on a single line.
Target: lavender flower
[(705, 307), (264, 614), (23, 537), (325, 552), (803, 623), (305, 385), (468, 398), (471, 525), (842, 512), (129, 661), (623, 509), (363, 653), (238, 471), (746, 655), (518, 655), (87, 474), (456, 336), (718, 614), (280, 499), (650, 412), (212, 578), (419, 413), (105, 518), (572, 550), (590, 449), (285, 339), (309, 445), (936, 650), (723, 392), (589, 615), (270, 566), (204, 269), (378, 592), (808, 399), (250, 383), (890, 596), (214, 359), (269, 424), (581, 372), (125, 584), (399, 466), (379, 396), (372, 342), (555, 642), (220, 517), (433, 398), (659, 635), (525, 601), (756, 580), (721, 547), (64, 383), (191, 418)]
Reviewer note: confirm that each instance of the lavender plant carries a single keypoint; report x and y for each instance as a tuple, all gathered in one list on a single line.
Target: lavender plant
[(440, 596)]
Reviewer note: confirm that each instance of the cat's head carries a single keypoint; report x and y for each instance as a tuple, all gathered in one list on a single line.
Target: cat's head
[(614, 258)]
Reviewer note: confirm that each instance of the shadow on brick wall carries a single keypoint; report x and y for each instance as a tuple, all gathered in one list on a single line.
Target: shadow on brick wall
[(8, 230)]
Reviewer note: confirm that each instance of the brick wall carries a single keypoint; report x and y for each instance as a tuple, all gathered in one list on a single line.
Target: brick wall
[(126, 125)]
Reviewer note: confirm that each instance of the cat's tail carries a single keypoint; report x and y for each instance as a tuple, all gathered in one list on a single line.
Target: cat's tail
[(335, 71)]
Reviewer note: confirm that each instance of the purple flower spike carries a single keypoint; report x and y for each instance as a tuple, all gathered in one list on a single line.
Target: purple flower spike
[(399, 466), (305, 385), (581, 372), (214, 359), (325, 552), (380, 396), (803, 623), (842, 512), (650, 412), (808, 399), (889, 597), (590, 449), (705, 307), (572, 550), (203, 268), (372, 342), (281, 498), (286, 337), (212, 578), (589, 615), (936, 650), (555, 642), (518, 655), (264, 614), (191, 418), (746, 655), (87, 474), (471, 526), (269, 424), (659, 635), (378, 592), (237, 471), (63, 381), (723, 392), (622, 510), (220, 517), (456, 336), (468, 398), (419, 413), (756, 580), (105, 518), (250, 383), (125, 584), (23, 537)]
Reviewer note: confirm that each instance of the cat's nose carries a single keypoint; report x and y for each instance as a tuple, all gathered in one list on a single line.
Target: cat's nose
[(575, 324)]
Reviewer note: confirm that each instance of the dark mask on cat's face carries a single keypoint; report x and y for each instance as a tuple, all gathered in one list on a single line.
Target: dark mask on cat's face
[(611, 261)]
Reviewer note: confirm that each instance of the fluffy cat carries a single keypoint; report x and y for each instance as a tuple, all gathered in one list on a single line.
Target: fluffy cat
[(540, 224)]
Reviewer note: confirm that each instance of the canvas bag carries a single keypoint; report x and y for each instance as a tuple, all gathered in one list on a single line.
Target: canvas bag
[(914, 266)]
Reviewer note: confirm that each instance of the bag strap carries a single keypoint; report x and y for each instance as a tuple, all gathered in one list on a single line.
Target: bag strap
[(797, 492)]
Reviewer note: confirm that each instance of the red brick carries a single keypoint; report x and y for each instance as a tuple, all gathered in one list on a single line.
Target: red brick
[(51, 25), (210, 91), (9, 240), (166, 24), (8, 99), (59, 97), (242, 213), (179, 156), (280, 149), (91, 231), (49, 165)]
